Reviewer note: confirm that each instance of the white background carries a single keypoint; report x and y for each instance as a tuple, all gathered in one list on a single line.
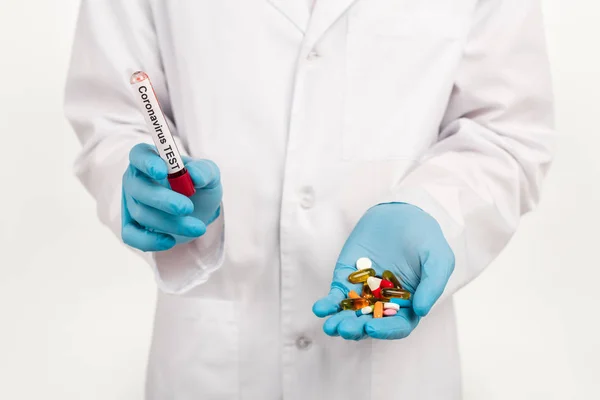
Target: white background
[(76, 307)]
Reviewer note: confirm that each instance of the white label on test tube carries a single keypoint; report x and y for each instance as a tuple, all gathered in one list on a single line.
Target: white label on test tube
[(156, 121)]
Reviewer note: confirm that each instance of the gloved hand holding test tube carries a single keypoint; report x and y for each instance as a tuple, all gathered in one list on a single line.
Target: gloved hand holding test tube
[(154, 217)]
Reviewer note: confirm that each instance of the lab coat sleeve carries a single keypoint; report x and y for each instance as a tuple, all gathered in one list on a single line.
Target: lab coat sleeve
[(496, 139), (112, 40)]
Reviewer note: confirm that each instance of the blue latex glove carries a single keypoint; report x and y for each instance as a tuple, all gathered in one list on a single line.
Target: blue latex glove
[(156, 218), (405, 240)]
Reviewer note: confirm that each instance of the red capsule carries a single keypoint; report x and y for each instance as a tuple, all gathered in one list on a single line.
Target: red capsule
[(377, 293), (386, 284)]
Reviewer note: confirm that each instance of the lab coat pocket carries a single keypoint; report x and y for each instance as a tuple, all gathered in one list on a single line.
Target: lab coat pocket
[(400, 58), (194, 349)]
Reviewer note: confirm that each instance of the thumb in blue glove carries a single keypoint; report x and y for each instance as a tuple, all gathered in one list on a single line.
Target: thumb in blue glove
[(407, 241)]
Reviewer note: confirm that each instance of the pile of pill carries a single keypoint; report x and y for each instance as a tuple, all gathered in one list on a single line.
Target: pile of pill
[(381, 295)]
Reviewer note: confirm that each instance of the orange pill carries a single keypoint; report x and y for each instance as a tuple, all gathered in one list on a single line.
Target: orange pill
[(378, 311), (353, 295)]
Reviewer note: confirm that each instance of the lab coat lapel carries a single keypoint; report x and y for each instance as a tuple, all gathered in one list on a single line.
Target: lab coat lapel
[(296, 11), (325, 14)]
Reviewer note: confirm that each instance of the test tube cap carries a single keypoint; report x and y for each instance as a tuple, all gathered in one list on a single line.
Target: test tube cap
[(183, 184)]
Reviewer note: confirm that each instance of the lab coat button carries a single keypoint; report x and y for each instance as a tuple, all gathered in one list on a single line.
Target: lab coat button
[(313, 55), (307, 198), (303, 343)]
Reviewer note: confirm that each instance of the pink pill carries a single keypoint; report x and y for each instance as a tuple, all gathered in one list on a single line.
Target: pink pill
[(389, 312)]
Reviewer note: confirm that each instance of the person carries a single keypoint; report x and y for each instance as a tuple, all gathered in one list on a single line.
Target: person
[(412, 133)]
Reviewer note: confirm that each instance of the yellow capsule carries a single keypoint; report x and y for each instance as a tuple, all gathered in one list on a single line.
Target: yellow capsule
[(366, 289), (366, 292), (354, 304), (361, 275), (393, 292), (389, 275)]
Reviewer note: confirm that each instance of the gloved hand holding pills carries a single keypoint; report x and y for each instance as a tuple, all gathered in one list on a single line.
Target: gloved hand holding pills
[(391, 271)]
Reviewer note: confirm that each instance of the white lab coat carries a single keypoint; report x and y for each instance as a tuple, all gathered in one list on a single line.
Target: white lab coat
[(314, 118)]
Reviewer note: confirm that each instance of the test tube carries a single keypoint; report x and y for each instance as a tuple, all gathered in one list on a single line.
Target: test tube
[(178, 176)]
